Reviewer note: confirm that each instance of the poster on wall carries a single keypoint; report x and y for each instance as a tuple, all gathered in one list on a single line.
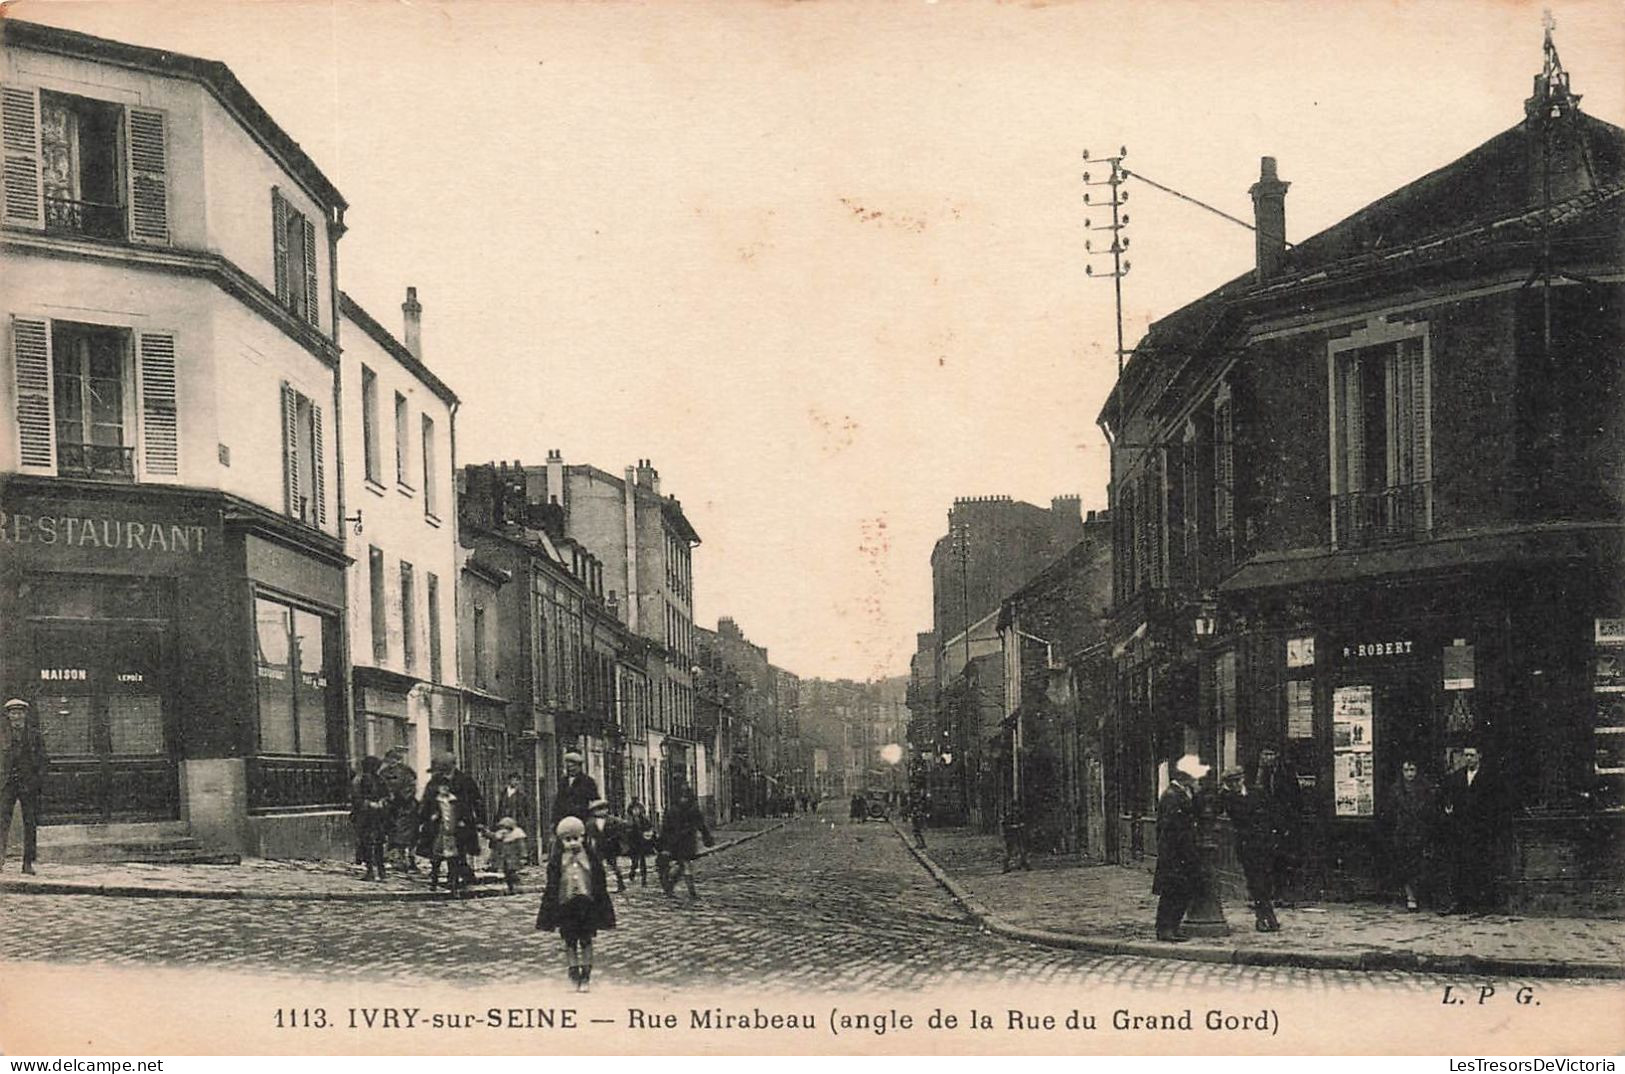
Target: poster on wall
[(1352, 785), (1351, 718), (1300, 708)]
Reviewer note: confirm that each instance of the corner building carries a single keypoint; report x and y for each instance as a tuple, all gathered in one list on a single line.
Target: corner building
[(171, 567)]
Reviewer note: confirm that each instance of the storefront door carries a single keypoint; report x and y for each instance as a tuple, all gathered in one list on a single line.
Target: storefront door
[(101, 702)]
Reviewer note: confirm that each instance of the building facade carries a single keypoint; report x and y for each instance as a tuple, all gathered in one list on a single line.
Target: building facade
[(1367, 508), (399, 480), (645, 545), (173, 576)]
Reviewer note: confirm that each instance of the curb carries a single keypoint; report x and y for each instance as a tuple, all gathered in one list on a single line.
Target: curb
[(135, 891), (1369, 961)]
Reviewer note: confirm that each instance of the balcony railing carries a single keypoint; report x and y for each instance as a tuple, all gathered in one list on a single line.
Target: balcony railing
[(96, 219), (110, 462), (1383, 516)]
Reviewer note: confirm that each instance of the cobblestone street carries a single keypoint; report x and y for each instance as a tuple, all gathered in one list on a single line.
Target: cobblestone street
[(814, 906)]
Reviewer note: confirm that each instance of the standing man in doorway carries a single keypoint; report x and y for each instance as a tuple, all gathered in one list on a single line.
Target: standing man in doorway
[(577, 791), (22, 776), (1472, 809)]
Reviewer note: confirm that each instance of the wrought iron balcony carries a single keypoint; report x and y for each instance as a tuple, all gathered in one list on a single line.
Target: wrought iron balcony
[(96, 219), (110, 462), (1391, 515)]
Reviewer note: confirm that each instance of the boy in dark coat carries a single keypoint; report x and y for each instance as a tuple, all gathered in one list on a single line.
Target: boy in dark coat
[(1255, 846), (369, 814), (576, 898), (681, 832), (607, 833)]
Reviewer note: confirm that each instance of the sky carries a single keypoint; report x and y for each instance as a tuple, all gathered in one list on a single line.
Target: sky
[(823, 262)]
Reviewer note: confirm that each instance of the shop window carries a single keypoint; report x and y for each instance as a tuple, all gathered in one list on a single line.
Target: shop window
[(293, 243), (1608, 697), (1381, 464), (385, 733), (293, 685)]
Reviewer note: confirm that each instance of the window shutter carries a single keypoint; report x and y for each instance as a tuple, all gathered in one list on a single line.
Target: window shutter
[(19, 137), (1417, 435), (36, 419), (279, 244), (312, 305), (1353, 423), (318, 478), (290, 449), (160, 448), (149, 184)]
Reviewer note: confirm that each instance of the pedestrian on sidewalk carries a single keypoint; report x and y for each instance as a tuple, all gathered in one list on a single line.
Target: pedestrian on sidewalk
[(681, 833), (575, 900), (1413, 823), (1472, 806), (509, 852), (1014, 825), (577, 790), (22, 776), (1179, 864), (919, 815), (517, 802), (450, 818), (369, 815), (1280, 807), (606, 834), (402, 821), (640, 836), (859, 810), (1255, 846)]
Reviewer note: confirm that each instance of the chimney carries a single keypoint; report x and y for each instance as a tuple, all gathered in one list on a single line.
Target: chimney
[(555, 476), (414, 323), (648, 476), (1269, 216)]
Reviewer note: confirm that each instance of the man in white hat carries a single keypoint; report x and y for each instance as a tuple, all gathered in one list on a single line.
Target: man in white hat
[(1178, 861), (577, 790), (22, 776)]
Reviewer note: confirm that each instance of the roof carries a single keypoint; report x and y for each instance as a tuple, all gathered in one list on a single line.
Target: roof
[(1482, 201), (212, 74), (364, 321), (670, 506)]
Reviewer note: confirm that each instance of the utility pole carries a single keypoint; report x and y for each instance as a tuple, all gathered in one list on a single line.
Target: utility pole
[(1114, 180)]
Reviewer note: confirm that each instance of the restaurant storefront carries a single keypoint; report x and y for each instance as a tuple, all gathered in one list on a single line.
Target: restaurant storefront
[(184, 655)]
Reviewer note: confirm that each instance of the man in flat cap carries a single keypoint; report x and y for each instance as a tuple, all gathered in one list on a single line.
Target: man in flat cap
[(22, 776), (577, 791), (1179, 864)]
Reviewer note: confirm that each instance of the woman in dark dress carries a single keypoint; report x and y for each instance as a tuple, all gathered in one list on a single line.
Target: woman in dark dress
[(1413, 818)]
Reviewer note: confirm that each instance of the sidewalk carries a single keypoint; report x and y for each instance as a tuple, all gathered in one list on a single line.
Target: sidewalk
[(306, 881), (1109, 908)]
